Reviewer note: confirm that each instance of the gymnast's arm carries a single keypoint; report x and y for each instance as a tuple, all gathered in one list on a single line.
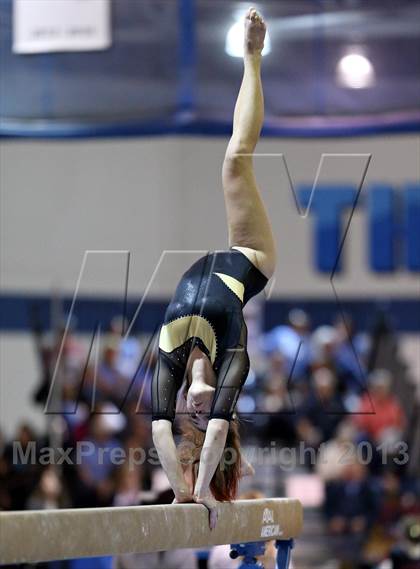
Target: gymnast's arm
[(232, 375), (165, 445), (211, 454), (165, 386)]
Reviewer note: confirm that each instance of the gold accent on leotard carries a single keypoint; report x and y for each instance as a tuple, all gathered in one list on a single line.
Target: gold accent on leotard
[(250, 254), (233, 284), (177, 332)]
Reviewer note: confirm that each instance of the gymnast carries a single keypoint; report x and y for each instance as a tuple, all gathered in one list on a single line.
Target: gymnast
[(203, 361)]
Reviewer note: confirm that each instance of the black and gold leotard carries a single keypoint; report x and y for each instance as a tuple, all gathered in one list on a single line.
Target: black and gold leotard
[(206, 311)]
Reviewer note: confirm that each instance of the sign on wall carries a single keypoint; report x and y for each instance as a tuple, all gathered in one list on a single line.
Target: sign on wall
[(393, 229), (41, 26)]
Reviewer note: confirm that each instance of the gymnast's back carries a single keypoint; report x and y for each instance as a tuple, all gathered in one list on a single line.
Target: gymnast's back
[(206, 311), (220, 281)]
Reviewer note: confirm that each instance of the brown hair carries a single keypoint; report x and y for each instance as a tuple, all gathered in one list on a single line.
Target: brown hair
[(225, 481)]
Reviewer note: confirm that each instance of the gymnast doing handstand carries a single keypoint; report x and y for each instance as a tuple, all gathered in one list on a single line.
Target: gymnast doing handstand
[(203, 361)]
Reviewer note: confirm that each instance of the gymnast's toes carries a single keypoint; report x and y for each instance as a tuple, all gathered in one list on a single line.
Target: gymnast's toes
[(254, 32)]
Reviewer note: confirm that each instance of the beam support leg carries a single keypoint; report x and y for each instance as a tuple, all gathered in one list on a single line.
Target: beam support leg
[(284, 549)]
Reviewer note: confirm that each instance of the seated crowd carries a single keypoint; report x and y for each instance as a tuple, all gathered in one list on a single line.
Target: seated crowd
[(310, 387)]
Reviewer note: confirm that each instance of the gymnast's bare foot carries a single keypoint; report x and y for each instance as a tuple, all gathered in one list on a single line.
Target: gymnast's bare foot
[(254, 32)]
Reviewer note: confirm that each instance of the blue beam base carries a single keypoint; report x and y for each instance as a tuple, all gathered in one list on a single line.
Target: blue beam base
[(249, 551), (284, 550)]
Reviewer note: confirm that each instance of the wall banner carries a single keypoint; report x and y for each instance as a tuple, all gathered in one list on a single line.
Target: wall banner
[(41, 26)]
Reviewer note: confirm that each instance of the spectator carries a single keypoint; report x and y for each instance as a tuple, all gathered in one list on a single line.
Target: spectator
[(128, 484), (75, 414), (5, 501), (380, 416), (277, 403), (336, 454), (349, 354), (292, 341), (21, 475), (350, 501), (323, 344), (399, 497), (406, 553), (320, 415), (49, 494), (105, 383), (95, 480), (128, 348), (60, 356)]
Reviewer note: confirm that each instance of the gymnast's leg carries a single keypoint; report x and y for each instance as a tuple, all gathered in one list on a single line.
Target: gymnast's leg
[(249, 227)]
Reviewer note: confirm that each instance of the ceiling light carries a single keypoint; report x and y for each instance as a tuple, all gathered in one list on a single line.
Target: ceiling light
[(355, 71)]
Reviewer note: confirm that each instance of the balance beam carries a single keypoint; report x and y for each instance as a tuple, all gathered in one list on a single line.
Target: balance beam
[(49, 535)]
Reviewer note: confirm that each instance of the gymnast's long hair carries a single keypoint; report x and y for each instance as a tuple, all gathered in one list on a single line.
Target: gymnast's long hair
[(225, 481), (231, 467)]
